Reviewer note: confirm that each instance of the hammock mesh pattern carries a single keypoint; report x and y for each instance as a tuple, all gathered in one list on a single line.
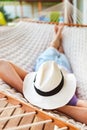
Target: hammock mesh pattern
[(75, 46), (22, 44)]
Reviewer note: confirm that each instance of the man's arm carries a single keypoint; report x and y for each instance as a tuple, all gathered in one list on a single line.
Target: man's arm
[(77, 113)]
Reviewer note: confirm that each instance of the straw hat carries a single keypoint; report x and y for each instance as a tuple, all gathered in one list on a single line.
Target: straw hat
[(50, 87)]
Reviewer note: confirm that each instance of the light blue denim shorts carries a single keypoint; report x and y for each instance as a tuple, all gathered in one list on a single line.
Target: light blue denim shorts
[(52, 54)]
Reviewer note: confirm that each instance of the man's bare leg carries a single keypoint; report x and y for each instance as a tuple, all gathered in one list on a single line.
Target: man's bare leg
[(12, 74), (57, 41)]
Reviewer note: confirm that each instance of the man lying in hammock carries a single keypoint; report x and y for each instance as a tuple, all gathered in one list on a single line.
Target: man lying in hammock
[(52, 85)]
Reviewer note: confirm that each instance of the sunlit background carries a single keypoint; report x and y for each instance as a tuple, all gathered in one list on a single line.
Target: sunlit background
[(11, 10)]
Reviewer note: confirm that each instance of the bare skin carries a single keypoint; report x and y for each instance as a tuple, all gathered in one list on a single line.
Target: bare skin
[(14, 76), (76, 112)]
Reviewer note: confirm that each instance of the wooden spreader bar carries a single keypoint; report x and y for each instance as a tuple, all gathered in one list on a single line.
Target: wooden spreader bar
[(18, 115)]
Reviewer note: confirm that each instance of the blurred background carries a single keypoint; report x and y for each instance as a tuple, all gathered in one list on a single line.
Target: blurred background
[(11, 10)]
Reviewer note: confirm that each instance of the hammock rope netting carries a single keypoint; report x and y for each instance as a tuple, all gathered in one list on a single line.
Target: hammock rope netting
[(65, 9), (18, 44), (22, 44)]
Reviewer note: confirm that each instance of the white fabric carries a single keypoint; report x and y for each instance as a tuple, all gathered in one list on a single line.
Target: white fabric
[(75, 47), (23, 43)]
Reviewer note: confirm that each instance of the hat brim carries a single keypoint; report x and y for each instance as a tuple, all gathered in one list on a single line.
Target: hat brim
[(50, 102)]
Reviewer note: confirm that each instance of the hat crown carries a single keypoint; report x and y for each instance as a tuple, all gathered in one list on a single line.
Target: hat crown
[(48, 77)]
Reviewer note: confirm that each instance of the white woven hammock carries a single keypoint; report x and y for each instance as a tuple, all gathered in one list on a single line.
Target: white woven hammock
[(69, 11), (22, 44)]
